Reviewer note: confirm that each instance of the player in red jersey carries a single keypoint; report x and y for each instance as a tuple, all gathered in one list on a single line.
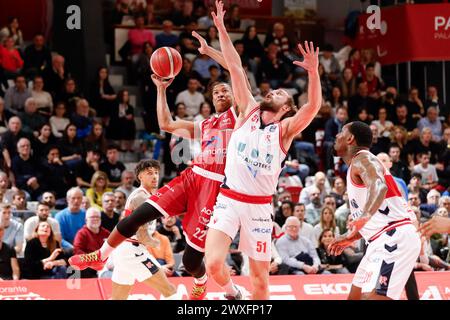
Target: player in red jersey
[(194, 192)]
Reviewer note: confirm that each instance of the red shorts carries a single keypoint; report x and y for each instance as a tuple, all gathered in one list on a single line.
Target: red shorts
[(194, 195)]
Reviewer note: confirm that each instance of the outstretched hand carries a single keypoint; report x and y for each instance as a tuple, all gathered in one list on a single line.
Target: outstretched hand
[(310, 57), (160, 82), (338, 245), (219, 17), (203, 44)]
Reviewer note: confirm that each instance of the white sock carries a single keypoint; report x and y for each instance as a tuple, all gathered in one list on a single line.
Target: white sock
[(201, 280), (230, 289), (106, 250)]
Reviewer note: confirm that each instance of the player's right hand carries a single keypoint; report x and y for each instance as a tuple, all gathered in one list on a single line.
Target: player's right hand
[(219, 16), (160, 82), (203, 44), (339, 244)]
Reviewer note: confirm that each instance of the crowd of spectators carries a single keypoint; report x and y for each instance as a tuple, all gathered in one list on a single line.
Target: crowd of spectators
[(63, 188)]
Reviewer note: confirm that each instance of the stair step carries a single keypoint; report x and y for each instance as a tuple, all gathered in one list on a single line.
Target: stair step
[(116, 80)]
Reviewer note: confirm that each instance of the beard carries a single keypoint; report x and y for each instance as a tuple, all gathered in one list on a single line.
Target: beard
[(267, 106)]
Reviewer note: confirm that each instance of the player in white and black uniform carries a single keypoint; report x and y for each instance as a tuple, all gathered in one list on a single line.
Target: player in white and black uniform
[(132, 261), (381, 216), (255, 156)]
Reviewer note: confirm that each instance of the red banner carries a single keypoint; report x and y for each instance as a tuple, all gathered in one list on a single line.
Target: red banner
[(432, 286), (247, 7), (419, 32)]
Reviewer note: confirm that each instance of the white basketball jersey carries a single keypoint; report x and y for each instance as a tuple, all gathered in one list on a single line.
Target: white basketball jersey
[(129, 207), (254, 157), (394, 209)]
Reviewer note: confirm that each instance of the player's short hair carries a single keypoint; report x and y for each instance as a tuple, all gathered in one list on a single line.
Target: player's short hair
[(144, 165), (363, 134)]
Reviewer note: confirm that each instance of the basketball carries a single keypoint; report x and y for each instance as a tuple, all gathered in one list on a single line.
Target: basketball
[(166, 62)]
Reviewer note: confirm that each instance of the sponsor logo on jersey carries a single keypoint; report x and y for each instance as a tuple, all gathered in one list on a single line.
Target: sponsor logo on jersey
[(262, 230), (272, 128), (213, 140), (354, 204), (220, 206), (261, 220)]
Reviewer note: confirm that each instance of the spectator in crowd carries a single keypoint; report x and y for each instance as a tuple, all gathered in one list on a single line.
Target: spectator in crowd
[(5, 189), (59, 121), (314, 207), (204, 113), (233, 20), (423, 145), (415, 186), (327, 222), (166, 38), (355, 252), (432, 204), (44, 258), (16, 96), (433, 99), (319, 183), (427, 171), (379, 143), (96, 138), (400, 138), (212, 37), (12, 29), (122, 126), (81, 119), (4, 116), (13, 230), (71, 219), (31, 119), (297, 251), (12, 136), (384, 126), (414, 104), (102, 95), (112, 166), (120, 199), (70, 95), (99, 185), (336, 100), (338, 190), (286, 210), (275, 68), (187, 42), (9, 266), (403, 118), (279, 38), (36, 56), (109, 217), (253, 48), (367, 58), (88, 167), (191, 97), (341, 214), (306, 230), (332, 127), (19, 201), (43, 141), (163, 253), (85, 203), (171, 228), (44, 101), (11, 60), (348, 84), (49, 198), (414, 200), (127, 180), (432, 121), (361, 99), (90, 238), (56, 173), (138, 35), (374, 83), (202, 64), (27, 170), (185, 15), (330, 63), (71, 148), (54, 76), (387, 162), (42, 214), (332, 264), (354, 63)]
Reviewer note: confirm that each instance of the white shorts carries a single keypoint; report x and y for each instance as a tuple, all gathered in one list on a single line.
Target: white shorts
[(388, 262), (253, 220), (132, 262)]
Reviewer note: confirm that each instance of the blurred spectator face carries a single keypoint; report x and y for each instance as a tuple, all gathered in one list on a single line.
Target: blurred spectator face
[(336, 93), (339, 185), (193, 85), (285, 196), (188, 7), (320, 179), (330, 202), (356, 55), (394, 153), (93, 219), (15, 125), (92, 156), (38, 41), (4, 182), (252, 32), (30, 106), (425, 159), (20, 83), (363, 90), (374, 129), (127, 179), (52, 155), (24, 147), (44, 229), (393, 91), (140, 22), (327, 238), (314, 196), (414, 94), (370, 72), (327, 215), (446, 135), (14, 24), (19, 201), (70, 86), (205, 110), (85, 203), (426, 135), (125, 96), (187, 64), (235, 12), (74, 200), (43, 212), (98, 130), (402, 112), (180, 110), (83, 108), (58, 62), (120, 200), (214, 72), (286, 210), (432, 92), (148, 50), (169, 221), (38, 84), (45, 131), (278, 30), (363, 115), (103, 74), (299, 212), (167, 26), (49, 198), (264, 88), (191, 26), (272, 51), (212, 32), (239, 48), (60, 110), (385, 160), (292, 228), (348, 74), (342, 115), (222, 97), (442, 212), (416, 182), (108, 203), (71, 132), (445, 203), (5, 215), (433, 197), (9, 43), (100, 182), (432, 114), (149, 178), (382, 114), (112, 155)]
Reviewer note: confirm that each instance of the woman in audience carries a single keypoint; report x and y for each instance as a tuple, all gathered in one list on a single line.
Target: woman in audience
[(44, 100), (10, 59), (212, 37), (122, 126), (99, 185), (102, 95), (354, 63), (349, 84), (384, 126), (363, 115), (44, 258), (43, 141), (330, 263), (97, 137), (4, 116), (12, 30), (327, 221), (205, 112), (58, 120), (71, 147)]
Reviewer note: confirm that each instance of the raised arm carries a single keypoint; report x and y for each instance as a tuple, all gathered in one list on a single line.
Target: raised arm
[(242, 94), (296, 124), (181, 128)]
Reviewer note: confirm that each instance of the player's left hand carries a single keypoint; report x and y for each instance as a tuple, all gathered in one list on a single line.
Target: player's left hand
[(338, 245), (203, 44), (358, 223), (310, 57), (219, 17), (160, 82)]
